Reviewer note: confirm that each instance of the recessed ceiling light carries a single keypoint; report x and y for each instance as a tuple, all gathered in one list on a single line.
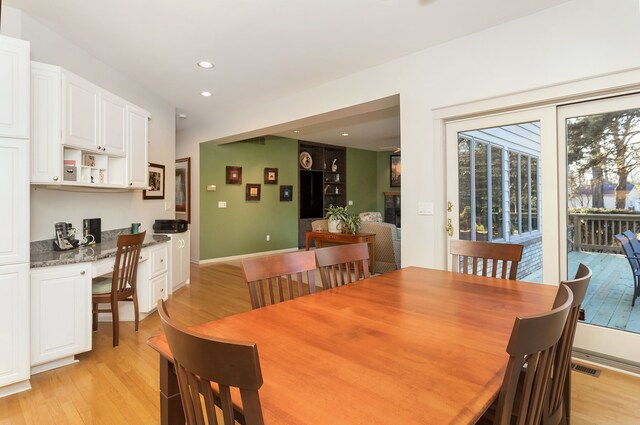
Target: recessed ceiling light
[(205, 93), (345, 134), (205, 64), (296, 131), (182, 116)]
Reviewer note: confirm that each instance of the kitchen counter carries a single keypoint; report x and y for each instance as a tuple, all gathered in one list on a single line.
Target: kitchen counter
[(85, 254)]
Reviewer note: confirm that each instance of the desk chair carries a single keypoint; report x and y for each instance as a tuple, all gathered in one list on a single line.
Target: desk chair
[(558, 399), (200, 361), (121, 285), (342, 264), (483, 258), (532, 343), (264, 274)]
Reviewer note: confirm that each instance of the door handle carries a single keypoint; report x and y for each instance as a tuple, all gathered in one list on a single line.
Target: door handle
[(449, 227)]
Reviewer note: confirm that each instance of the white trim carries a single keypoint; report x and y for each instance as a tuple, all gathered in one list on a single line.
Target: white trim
[(53, 365), (240, 257), (15, 388)]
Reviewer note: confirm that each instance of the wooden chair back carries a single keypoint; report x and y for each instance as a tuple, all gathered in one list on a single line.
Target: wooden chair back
[(532, 343), (558, 400), (125, 269), (202, 360), (274, 275), (342, 264), (484, 258)]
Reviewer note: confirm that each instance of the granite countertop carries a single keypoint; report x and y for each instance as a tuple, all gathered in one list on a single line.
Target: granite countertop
[(85, 254)]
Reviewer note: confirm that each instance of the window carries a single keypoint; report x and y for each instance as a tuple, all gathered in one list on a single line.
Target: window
[(498, 191)]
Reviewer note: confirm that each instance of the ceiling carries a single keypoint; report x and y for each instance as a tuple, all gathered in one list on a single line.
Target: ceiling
[(265, 50)]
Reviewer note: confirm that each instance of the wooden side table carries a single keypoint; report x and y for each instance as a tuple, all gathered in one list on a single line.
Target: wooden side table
[(369, 238)]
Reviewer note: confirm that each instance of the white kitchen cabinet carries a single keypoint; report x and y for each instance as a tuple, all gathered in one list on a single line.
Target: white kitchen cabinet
[(60, 314), (80, 124), (46, 121), (14, 324), (14, 88), (137, 121), (83, 135), (153, 278), (180, 259), (14, 198)]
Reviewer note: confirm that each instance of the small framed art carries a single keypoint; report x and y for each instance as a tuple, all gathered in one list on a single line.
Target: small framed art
[(234, 175), (270, 176), (286, 193), (156, 182), (253, 192), (395, 170)]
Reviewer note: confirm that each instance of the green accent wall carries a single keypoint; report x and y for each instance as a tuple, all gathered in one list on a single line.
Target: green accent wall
[(241, 228), (362, 180), (384, 179)]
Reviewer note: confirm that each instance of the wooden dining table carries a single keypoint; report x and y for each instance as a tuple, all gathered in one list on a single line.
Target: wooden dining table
[(414, 346)]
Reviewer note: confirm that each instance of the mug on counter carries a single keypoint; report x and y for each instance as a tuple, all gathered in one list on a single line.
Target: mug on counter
[(135, 228)]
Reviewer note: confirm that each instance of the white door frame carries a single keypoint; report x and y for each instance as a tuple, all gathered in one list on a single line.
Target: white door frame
[(589, 338)]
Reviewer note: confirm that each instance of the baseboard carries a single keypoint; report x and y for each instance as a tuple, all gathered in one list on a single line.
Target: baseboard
[(53, 365), (15, 388), (612, 363), (240, 257)]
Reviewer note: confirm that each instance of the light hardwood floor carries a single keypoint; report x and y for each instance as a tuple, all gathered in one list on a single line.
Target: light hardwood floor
[(120, 386)]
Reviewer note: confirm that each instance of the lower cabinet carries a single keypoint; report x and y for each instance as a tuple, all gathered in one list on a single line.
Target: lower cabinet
[(14, 324), (60, 312), (153, 278), (180, 259)]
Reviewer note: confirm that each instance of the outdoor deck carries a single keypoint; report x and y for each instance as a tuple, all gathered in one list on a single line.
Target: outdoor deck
[(608, 300)]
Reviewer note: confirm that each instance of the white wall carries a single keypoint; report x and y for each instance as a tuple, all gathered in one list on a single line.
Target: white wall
[(116, 209), (574, 40)]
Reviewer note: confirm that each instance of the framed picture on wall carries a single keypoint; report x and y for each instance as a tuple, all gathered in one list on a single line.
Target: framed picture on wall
[(286, 193), (183, 188), (253, 192), (156, 182), (270, 176), (394, 165), (234, 175)]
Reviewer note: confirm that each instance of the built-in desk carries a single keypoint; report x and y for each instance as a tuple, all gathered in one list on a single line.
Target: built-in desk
[(61, 296)]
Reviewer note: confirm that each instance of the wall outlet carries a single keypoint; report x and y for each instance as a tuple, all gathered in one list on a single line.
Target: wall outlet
[(268, 238), (350, 203), (222, 204)]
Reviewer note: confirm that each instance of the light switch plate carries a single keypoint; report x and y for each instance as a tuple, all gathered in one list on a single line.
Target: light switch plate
[(425, 208), (211, 187), (222, 204)]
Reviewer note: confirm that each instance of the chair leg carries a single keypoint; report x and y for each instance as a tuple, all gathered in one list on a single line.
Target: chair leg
[(95, 317), (135, 309), (116, 323)]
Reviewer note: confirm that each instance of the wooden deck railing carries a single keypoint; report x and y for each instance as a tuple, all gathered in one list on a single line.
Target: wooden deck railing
[(594, 232)]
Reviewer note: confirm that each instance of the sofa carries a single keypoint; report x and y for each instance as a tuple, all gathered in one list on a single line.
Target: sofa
[(387, 243)]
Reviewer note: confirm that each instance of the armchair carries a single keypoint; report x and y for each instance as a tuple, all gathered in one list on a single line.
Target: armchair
[(387, 244)]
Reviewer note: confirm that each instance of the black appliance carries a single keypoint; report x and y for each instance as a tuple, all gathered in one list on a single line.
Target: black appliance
[(170, 226), (93, 227)]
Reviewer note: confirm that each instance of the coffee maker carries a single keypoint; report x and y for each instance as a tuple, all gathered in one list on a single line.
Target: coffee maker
[(65, 238)]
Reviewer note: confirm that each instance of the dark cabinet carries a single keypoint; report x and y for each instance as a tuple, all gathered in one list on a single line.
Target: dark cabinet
[(322, 181), (392, 208)]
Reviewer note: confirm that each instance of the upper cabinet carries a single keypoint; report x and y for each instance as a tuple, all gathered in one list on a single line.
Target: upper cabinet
[(14, 88), (82, 135)]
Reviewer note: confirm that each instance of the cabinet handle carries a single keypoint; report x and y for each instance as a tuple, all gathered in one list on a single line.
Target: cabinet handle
[(55, 179), (104, 149), (162, 261), (130, 183), (99, 148), (82, 273), (162, 290)]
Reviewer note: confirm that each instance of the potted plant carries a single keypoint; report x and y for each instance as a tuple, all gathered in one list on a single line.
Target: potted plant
[(336, 215), (352, 223)]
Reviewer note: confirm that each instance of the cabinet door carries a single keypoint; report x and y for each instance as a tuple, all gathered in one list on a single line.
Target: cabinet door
[(14, 324), (46, 147), (137, 121), (158, 259), (159, 289), (60, 312), (14, 198), (81, 101), (113, 124), (14, 88)]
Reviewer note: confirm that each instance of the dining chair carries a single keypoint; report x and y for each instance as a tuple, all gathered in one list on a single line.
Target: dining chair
[(120, 285), (634, 263), (531, 349), (266, 275), (201, 361), (557, 408), (483, 258), (342, 264)]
